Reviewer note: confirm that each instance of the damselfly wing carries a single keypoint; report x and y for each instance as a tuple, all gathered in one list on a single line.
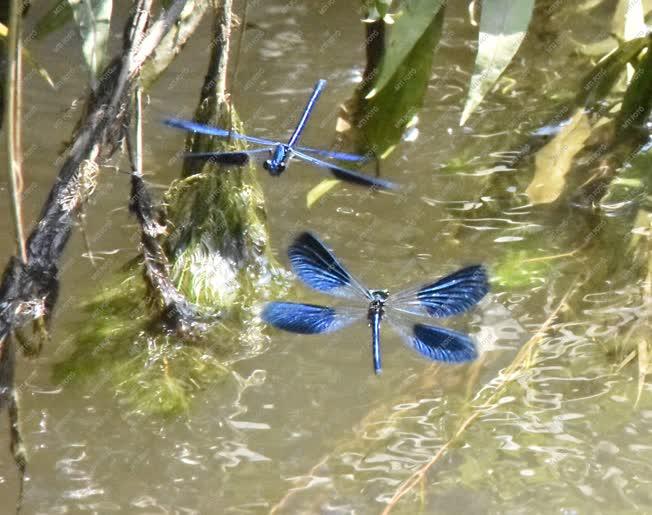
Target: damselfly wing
[(276, 155), (319, 268)]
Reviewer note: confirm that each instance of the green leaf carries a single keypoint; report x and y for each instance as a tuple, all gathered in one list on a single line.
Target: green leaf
[(629, 23), (503, 24), (415, 21), (93, 18), (56, 18), (383, 118), (600, 81), (553, 161), (320, 190), (638, 97)]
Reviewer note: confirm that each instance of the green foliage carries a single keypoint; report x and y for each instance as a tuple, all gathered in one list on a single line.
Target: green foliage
[(219, 247), (588, 149), (503, 25), (395, 99), (55, 19), (638, 97), (416, 18), (212, 213), (601, 80), (389, 103), (520, 269)]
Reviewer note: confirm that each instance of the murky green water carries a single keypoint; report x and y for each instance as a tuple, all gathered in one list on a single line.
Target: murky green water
[(305, 426)]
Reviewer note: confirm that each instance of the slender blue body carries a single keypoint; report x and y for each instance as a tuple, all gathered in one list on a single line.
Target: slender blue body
[(375, 315), (281, 154), (310, 105), (374, 321)]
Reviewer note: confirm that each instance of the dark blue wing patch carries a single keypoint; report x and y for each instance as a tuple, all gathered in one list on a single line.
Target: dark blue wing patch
[(237, 158), (319, 268), (447, 296), (307, 318), (351, 176), (439, 344)]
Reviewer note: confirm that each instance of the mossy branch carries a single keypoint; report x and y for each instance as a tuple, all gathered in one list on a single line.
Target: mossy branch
[(176, 312)]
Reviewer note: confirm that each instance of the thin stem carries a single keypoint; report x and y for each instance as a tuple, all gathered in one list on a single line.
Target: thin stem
[(12, 123), (138, 150), (212, 99), (507, 376), (236, 58), (223, 60)]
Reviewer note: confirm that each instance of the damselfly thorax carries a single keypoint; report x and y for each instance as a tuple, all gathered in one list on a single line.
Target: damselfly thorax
[(377, 304), (277, 164)]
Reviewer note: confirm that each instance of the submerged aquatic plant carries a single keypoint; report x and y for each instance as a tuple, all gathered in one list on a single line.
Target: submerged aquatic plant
[(211, 240), (154, 373), (218, 243)]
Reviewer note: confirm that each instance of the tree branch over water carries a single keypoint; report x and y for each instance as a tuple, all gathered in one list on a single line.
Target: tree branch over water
[(29, 287)]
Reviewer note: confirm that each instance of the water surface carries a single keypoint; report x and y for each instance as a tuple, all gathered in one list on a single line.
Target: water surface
[(306, 421)]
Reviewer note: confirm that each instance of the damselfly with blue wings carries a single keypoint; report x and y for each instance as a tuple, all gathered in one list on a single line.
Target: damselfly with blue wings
[(318, 267), (278, 154)]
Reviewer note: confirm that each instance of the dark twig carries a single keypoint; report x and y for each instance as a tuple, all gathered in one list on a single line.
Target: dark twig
[(173, 42), (36, 282), (29, 289), (16, 440), (212, 99), (177, 313), (236, 57)]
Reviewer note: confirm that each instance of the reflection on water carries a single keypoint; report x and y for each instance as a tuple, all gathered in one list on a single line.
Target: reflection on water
[(306, 426)]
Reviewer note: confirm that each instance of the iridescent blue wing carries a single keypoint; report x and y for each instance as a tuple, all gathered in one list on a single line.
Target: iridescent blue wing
[(237, 158), (342, 156), (318, 267), (447, 296), (436, 343), (348, 175), (309, 318), (191, 126)]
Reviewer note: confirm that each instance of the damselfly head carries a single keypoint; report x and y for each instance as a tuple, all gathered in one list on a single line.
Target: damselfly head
[(377, 304), (379, 295), (274, 167)]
